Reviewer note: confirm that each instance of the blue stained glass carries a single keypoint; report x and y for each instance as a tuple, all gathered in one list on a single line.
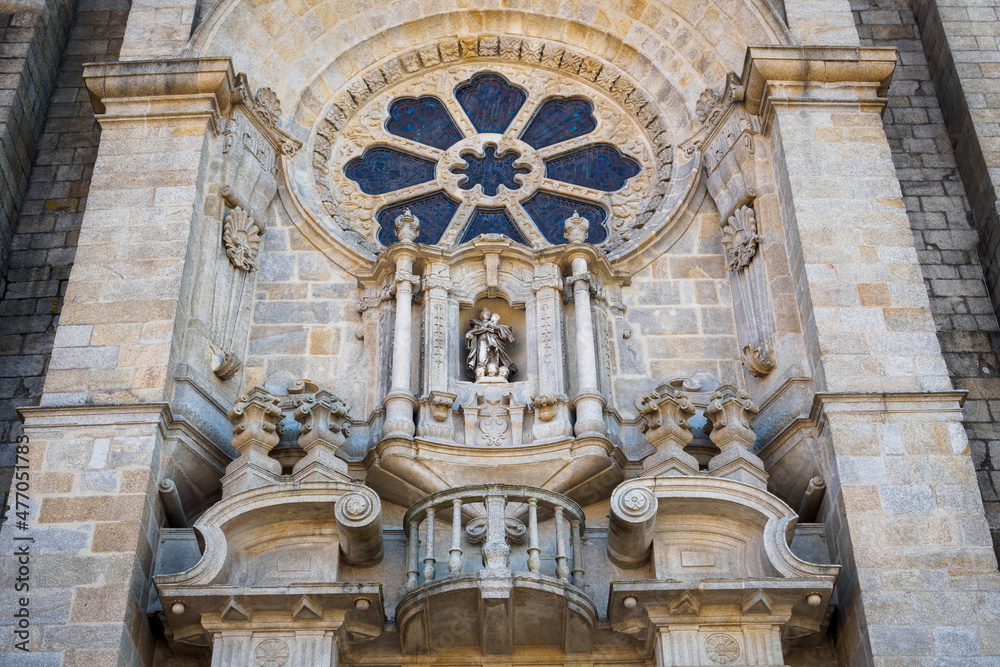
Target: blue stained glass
[(599, 166), (492, 221), (381, 170), (559, 119), (490, 101), (423, 119), (490, 171), (549, 211), (434, 211)]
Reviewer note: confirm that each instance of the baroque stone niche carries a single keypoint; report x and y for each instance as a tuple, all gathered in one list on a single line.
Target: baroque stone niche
[(442, 428)]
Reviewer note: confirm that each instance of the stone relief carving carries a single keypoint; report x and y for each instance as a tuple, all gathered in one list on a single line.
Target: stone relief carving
[(271, 653), (493, 418), (740, 239), (487, 342), (722, 649), (241, 238), (728, 139)]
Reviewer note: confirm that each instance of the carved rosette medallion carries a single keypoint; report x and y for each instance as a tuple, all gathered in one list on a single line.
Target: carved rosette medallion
[(722, 649), (635, 504), (271, 653)]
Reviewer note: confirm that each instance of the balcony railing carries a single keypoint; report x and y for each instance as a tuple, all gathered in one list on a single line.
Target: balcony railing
[(495, 515)]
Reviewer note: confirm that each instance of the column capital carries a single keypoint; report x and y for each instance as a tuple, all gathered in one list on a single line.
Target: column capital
[(161, 89), (795, 76)]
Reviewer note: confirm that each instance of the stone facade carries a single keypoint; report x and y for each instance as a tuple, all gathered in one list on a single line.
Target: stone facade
[(367, 334)]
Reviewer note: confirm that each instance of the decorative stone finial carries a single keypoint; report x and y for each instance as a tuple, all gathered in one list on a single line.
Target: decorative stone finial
[(665, 413), (576, 227), (729, 414), (325, 427), (256, 432), (407, 227)]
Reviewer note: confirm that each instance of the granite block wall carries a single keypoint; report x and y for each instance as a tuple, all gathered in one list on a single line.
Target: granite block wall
[(44, 246), (944, 233)]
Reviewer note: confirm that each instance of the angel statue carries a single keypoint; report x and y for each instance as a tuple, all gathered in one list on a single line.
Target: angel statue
[(487, 341)]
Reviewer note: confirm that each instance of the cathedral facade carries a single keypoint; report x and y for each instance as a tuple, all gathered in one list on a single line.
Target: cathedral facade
[(525, 333)]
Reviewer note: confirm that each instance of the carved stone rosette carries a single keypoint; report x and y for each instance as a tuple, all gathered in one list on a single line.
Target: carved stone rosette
[(665, 413), (729, 413)]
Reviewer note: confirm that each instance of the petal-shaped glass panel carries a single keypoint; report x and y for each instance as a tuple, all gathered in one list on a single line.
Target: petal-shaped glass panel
[(490, 101), (550, 211), (599, 166), (423, 119), (380, 170), (434, 211), (492, 221), (490, 171), (559, 119)]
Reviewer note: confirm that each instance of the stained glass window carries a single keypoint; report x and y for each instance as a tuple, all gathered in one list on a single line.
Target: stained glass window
[(490, 101), (559, 119), (492, 221), (433, 211), (490, 171), (599, 166), (549, 211), (381, 170), (424, 119), (525, 159)]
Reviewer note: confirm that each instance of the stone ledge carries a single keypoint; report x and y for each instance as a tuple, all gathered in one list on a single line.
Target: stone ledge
[(827, 72), (160, 89)]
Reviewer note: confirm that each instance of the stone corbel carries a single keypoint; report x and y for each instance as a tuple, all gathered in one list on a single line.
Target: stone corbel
[(435, 416), (727, 140), (256, 432), (729, 413), (252, 148), (552, 418), (665, 413)]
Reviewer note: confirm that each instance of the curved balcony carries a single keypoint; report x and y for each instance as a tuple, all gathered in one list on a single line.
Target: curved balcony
[(513, 576)]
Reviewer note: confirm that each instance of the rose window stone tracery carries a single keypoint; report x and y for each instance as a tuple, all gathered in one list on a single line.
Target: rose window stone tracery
[(496, 149)]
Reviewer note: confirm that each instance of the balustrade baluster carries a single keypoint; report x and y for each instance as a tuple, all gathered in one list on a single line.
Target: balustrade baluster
[(496, 552), (455, 562), (411, 565), (577, 554), (429, 548), (534, 562), (562, 569)]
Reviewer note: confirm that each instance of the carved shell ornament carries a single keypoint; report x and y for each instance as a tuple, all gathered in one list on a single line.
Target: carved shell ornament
[(241, 236), (496, 135), (740, 239)]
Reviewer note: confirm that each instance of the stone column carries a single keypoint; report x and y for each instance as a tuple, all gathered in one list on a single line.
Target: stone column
[(902, 495), (435, 418), (551, 404), (588, 401), (399, 402), (97, 438)]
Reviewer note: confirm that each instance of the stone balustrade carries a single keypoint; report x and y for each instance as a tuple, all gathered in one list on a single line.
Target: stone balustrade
[(496, 516)]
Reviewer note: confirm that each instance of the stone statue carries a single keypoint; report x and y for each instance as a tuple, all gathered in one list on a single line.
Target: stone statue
[(487, 341)]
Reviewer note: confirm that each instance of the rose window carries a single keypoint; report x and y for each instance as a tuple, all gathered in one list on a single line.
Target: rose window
[(505, 150)]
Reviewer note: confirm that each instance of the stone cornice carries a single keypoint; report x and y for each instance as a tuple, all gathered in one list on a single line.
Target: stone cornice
[(161, 89), (816, 75), (64, 416)]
